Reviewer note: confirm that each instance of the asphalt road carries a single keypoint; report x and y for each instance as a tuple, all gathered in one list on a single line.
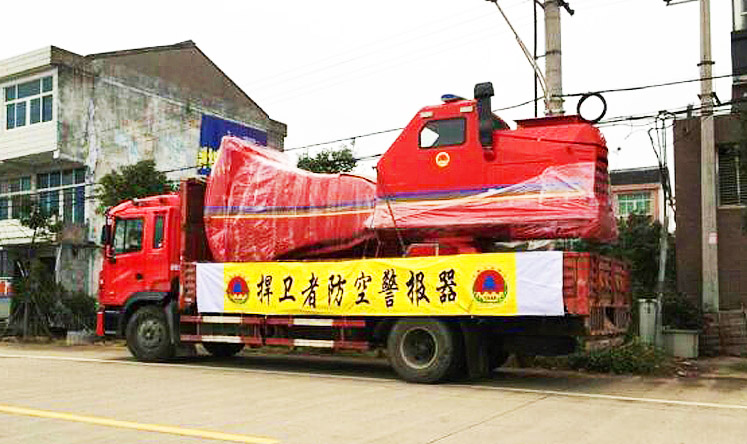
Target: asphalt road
[(98, 394)]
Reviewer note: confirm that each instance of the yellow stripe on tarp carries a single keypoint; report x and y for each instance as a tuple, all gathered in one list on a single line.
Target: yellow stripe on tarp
[(173, 430)]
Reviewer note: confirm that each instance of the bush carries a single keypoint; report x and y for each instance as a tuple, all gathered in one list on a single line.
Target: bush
[(76, 311), (681, 313), (631, 358), (50, 306)]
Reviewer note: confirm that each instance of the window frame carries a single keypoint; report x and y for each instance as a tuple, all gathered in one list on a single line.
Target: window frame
[(26, 102), (633, 202), (15, 192), (740, 179), (127, 227), (437, 146), (52, 192), (159, 230)]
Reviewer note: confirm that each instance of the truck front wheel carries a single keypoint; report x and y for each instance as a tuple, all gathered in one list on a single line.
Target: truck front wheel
[(148, 335), (422, 350)]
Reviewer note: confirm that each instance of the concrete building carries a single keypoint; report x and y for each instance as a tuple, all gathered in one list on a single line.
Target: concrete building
[(639, 191), (67, 120)]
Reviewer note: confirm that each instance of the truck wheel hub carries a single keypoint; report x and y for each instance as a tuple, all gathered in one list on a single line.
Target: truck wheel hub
[(419, 348), (151, 333)]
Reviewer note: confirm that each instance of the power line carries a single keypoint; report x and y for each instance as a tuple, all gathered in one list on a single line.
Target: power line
[(344, 139), (614, 90), (654, 85)]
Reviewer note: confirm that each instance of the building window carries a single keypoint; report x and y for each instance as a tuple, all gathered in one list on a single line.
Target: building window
[(68, 185), (60, 193), (15, 197), (732, 183), (633, 203), (28, 103), (4, 208), (6, 265)]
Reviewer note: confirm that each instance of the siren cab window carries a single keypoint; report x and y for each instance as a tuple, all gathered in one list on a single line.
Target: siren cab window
[(158, 232), (128, 235), (446, 132)]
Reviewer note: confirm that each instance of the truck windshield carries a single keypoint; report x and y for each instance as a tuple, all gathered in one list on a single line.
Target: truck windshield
[(128, 235)]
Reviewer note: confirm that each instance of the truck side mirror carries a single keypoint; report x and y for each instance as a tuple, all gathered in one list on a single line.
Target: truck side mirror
[(483, 93), (106, 241)]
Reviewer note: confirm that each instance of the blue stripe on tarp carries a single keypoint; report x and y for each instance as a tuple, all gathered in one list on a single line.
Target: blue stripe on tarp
[(527, 187)]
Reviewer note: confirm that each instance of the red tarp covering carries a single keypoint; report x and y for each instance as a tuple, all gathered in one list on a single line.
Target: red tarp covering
[(259, 207), (559, 203)]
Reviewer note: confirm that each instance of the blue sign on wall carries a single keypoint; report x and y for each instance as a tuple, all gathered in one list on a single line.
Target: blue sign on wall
[(212, 130)]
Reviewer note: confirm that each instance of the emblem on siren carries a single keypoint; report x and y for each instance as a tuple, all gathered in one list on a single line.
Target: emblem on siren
[(490, 287), (443, 159), (237, 290)]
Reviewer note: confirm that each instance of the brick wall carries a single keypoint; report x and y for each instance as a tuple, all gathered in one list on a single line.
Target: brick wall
[(732, 242)]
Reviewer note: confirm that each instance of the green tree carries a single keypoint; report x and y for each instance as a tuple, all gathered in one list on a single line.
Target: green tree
[(328, 161), (131, 181), (43, 221)]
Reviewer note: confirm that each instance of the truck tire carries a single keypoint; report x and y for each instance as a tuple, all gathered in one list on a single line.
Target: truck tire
[(422, 350), (222, 349), (148, 335)]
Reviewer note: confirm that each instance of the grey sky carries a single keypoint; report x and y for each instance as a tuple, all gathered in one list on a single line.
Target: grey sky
[(332, 69)]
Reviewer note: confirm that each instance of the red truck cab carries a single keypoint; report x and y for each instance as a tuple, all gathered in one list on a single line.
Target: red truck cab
[(141, 258)]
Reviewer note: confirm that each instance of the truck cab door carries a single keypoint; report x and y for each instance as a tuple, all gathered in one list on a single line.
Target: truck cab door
[(157, 266), (125, 269)]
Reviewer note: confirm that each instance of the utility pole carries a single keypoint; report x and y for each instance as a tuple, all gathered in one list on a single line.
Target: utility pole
[(553, 64), (709, 227)]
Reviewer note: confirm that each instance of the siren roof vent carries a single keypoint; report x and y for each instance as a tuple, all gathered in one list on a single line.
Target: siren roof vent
[(446, 98)]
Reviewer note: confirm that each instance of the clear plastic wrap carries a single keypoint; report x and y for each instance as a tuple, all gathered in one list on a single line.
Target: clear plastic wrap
[(259, 207), (561, 202)]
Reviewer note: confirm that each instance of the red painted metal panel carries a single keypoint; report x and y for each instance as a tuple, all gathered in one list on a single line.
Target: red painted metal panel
[(546, 179)]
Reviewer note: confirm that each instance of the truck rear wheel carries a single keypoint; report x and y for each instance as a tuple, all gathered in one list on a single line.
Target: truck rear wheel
[(222, 349), (422, 350), (148, 335)]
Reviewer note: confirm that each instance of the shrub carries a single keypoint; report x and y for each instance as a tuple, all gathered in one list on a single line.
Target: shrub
[(50, 306), (77, 311), (681, 312), (631, 358)]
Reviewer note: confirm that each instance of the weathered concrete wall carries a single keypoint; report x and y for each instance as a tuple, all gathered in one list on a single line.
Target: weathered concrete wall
[(188, 76), (118, 109), (73, 267), (75, 89)]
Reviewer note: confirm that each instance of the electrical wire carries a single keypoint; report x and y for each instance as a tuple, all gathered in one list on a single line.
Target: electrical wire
[(654, 85)]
